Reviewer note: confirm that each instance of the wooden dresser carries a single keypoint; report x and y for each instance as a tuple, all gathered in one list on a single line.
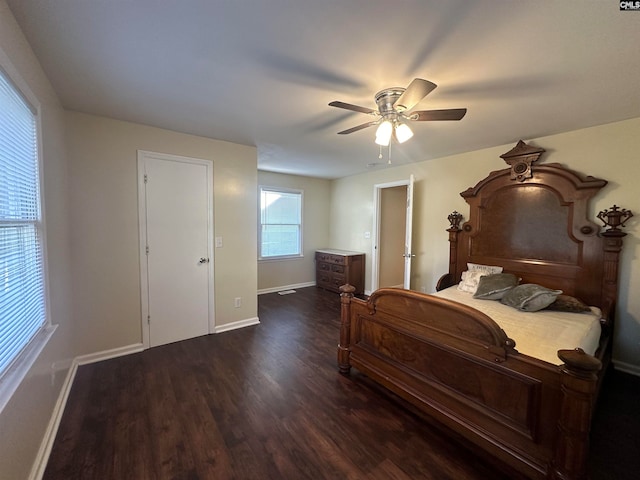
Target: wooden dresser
[(335, 268)]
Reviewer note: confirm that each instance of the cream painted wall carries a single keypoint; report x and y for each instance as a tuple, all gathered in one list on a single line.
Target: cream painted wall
[(104, 221), (275, 274), (607, 151), (24, 419)]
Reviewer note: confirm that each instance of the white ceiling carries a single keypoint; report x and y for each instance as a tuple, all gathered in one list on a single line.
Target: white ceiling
[(261, 72)]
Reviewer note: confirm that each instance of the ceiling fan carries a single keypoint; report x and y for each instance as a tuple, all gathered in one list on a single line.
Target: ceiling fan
[(393, 112)]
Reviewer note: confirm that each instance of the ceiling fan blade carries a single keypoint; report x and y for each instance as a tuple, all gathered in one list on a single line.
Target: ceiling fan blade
[(432, 115), (359, 127), (355, 108), (416, 91)]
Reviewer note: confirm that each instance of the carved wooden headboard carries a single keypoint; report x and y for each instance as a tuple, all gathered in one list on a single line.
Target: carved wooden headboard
[(533, 221)]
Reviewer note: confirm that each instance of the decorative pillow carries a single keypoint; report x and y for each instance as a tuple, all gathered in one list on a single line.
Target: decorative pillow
[(495, 286), (470, 280), (530, 297), (487, 269), (566, 303)]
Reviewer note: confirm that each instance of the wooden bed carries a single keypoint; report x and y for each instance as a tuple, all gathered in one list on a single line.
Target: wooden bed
[(457, 366)]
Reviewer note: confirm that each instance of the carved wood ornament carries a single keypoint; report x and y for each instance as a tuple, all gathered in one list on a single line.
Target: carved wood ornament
[(520, 159)]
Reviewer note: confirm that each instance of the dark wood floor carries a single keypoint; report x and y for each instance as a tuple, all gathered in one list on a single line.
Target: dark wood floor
[(266, 402)]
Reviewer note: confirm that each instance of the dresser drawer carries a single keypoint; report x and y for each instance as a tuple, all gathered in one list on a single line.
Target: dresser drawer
[(330, 258), (338, 280), (324, 266), (323, 279), (337, 268)]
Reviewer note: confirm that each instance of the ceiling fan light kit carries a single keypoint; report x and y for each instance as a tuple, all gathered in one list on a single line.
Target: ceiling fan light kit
[(387, 129), (383, 133), (403, 132), (393, 111)]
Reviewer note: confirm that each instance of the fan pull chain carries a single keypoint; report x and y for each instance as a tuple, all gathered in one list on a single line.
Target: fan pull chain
[(389, 162), (380, 155)]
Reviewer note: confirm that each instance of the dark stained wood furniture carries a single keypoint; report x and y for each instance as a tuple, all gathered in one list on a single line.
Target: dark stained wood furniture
[(457, 365), (335, 268)]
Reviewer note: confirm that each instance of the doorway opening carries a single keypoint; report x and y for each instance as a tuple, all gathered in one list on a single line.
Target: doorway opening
[(392, 230)]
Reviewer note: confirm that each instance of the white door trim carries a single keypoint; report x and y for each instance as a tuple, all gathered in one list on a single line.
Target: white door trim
[(143, 155), (408, 250), (375, 258)]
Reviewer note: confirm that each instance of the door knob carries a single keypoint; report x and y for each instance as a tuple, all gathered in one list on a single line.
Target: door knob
[(203, 260)]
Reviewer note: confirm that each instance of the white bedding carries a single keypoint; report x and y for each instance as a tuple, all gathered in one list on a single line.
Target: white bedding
[(537, 334)]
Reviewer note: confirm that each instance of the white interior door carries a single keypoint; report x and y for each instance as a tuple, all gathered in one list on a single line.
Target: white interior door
[(407, 236), (176, 231)]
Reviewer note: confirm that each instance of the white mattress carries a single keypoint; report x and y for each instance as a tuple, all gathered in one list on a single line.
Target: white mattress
[(537, 334)]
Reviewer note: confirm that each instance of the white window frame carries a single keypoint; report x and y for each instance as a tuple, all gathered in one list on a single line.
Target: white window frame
[(11, 379), (260, 224)]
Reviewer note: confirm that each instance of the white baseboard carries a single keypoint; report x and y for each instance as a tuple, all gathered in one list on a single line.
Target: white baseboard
[(247, 322), (286, 287), (627, 368), (107, 354), (40, 463)]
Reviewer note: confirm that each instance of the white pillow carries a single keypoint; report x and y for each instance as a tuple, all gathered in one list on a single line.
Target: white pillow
[(470, 280), (487, 269)]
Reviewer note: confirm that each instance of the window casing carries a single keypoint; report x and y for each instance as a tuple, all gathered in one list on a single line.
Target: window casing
[(280, 229), (23, 310)]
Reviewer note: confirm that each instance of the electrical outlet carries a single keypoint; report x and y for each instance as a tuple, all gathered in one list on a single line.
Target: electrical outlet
[(237, 302)]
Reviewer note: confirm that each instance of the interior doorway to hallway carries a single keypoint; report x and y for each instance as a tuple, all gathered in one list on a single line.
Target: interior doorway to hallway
[(393, 215)]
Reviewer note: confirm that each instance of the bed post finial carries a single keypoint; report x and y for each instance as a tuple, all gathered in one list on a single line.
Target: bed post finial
[(452, 277), (578, 377), (344, 347), (614, 218), (454, 220)]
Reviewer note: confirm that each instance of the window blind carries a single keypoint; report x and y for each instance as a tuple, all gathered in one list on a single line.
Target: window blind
[(280, 223), (22, 299)]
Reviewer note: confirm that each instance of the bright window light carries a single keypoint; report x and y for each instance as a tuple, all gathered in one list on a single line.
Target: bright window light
[(22, 290), (280, 230)]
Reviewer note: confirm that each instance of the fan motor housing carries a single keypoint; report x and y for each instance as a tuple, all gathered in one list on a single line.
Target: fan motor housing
[(385, 99)]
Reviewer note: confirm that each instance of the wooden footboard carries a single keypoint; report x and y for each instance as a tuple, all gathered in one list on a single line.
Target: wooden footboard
[(457, 366)]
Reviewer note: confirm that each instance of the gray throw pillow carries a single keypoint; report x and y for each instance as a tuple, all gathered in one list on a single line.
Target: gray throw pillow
[(494, 287), (530, 297)]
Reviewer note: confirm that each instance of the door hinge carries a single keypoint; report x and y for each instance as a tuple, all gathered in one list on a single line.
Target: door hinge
[(148, 319), (145, 178), (146, 250)]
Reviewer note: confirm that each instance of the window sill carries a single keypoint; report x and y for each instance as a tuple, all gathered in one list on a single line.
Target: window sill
[(12, 379), (280, 259)]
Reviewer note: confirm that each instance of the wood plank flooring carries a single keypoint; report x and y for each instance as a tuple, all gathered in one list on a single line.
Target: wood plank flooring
[(267, 402)]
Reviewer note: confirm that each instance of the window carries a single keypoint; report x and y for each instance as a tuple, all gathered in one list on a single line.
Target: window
[(22, 292), (280, 223)]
